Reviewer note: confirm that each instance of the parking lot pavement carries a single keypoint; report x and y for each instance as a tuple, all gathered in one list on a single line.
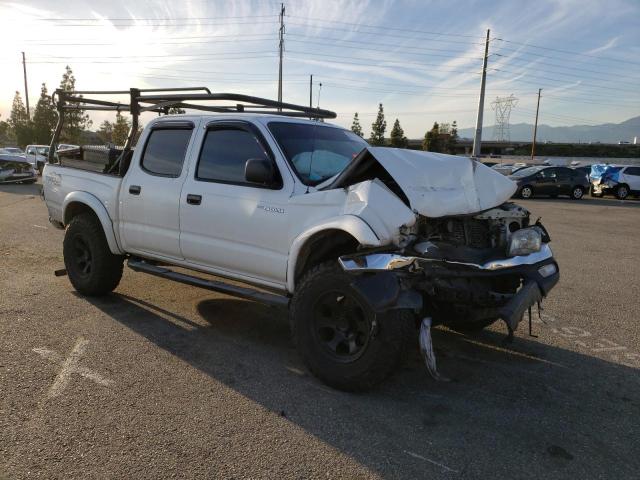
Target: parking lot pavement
[(162, 380)]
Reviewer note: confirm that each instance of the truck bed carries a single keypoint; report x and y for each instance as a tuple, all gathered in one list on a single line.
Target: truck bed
[(60, 181)]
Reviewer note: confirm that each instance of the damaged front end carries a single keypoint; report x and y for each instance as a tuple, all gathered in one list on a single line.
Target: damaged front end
[(464, 271)]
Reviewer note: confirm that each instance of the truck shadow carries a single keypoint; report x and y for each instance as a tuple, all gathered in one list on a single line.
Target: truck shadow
[(549, 411)]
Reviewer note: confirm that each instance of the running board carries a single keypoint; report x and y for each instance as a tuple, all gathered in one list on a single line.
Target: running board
[(221, 287)]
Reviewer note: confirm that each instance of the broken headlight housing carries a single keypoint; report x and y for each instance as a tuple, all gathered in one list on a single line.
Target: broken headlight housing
[(524, 242)]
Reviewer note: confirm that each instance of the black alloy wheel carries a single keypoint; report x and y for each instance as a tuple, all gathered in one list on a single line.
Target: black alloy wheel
[(341, 325)]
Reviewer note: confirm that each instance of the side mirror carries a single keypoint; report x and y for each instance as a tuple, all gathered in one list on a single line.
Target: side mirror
[(259, 170)]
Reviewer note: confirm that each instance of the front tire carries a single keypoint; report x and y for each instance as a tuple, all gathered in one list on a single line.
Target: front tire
[(340, 339), (93, 270), (577, 193), (526, 192)]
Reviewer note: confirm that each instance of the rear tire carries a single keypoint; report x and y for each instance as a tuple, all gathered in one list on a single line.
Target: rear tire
[(577, 193), (622, 192), (340, 339), (93, 270)]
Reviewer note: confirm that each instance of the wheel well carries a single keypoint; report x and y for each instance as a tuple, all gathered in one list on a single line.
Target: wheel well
[(74, 209), (324, 246)]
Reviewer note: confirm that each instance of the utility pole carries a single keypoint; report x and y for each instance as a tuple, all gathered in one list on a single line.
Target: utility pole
[(310, 92), (535, 127), (26, 89), (281, 50), (477, 139)]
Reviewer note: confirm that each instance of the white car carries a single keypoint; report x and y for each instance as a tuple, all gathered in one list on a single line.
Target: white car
[(362, 244), (37, 155), (619, 180)]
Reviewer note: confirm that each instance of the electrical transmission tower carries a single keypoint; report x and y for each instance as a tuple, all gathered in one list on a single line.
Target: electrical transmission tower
[(502, 107)]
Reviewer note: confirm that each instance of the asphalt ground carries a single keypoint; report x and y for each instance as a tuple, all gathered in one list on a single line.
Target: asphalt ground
[(162, 380)]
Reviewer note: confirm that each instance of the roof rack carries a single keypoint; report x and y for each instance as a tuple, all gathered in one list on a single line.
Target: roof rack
[(160, 100)]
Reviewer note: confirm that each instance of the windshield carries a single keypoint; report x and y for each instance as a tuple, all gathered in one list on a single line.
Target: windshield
[(317, 152), (525, 172), (42, 150)]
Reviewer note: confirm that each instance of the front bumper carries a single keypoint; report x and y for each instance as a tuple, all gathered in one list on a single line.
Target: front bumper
[(391, 280)]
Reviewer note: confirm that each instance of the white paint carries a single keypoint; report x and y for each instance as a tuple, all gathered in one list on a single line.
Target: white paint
[(69, 367), (39, 226), (415, 455), (438, 185)]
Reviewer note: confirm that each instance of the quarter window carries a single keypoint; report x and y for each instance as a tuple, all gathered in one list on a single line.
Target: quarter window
[(225, 152), (632, 171), (165, 151)]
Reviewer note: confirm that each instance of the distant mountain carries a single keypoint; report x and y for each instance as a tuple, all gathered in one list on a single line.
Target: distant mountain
[(605, 133)]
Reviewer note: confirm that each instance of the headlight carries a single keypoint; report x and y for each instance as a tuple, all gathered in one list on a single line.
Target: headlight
[(524, 242)]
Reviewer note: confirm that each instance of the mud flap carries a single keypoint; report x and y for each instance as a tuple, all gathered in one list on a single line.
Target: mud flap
[(426, 348), (382, 292)]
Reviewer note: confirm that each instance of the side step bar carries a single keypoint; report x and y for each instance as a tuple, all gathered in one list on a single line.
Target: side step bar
[(233, 290)]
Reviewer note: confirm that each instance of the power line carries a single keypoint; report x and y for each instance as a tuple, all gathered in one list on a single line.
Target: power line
[(566, 52), (379, 34), (564, 67), (125, 61), (381, 64), (368, 49), (196, 24), (535, 75), (384, 27), (53, 19)]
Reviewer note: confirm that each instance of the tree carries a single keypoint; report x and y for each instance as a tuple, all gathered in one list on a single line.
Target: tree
[(453, 138), (398, 139), (431, 140), (121, 129), (6, 133), (378, 128), (176, 111), (105, 132), (44, 118), (75, 121), (355, 126), (19, 121)]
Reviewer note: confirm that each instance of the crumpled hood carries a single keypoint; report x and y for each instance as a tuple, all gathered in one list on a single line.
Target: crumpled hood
[(438, 185)]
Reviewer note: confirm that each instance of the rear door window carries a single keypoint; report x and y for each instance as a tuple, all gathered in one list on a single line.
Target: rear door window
[(165, 150)]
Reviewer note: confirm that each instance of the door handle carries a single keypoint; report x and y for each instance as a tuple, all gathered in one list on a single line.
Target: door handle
[(194, 199), (135, 189)]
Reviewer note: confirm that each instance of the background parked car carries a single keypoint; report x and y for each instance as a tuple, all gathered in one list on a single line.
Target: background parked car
[(585, 170), (619, 180), (550, 181), (503, 168), (37, 156), (12, 150), (16, 169)]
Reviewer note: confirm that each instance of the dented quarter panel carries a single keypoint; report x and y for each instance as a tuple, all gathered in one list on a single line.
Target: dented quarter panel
[(439, 185)]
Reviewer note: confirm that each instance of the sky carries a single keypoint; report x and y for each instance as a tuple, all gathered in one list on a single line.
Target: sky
[(422, 59)]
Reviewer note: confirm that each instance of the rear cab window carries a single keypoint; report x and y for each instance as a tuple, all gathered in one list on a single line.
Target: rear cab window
[(165, 150)]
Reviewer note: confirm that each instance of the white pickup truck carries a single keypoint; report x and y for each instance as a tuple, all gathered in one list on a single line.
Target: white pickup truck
[(366, 246)]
